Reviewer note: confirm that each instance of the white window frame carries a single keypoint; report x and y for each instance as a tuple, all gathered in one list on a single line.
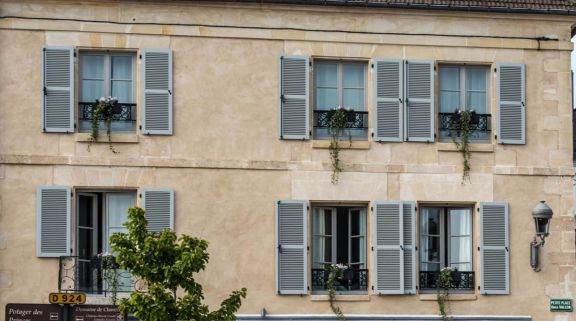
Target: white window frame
[(340, 81), (463, 90)]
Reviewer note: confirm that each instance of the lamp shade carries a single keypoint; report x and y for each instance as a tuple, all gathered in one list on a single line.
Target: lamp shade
[(542, 214)]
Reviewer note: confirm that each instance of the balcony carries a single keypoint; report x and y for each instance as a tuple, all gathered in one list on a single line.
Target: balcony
[(356, 126), (480, 127), (123, 119), (461, 281), (354, 280), (87, 275)]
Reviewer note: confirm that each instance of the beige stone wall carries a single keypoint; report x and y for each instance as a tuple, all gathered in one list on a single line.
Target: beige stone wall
[(228, 166)]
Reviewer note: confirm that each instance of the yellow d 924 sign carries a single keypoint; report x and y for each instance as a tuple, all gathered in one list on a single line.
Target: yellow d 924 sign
[(68, 298)]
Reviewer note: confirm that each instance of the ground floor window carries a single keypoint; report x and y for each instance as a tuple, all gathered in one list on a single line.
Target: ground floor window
[(98, 216), (446, 241), (339, 237)]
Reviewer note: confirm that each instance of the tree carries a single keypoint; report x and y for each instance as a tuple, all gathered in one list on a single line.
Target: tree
[(167, 265)]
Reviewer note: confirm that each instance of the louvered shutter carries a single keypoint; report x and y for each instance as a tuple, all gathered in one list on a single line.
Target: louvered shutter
[(58, 89), (388, 96), (159, 206), (409, 224), (511, 104), (291, 247), (494, 249), (157, 91), (419, 101), (388, 244), (294, 97), (53, 221)]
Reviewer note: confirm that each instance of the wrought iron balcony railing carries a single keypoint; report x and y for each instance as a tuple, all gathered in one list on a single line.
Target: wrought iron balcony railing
[(87, 274), (356, 119), (460, 280), (353, 280), (123, 118), (480, 125)]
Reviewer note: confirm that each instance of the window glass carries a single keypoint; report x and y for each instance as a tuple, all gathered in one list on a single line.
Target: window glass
[(430, 239), (322, 247), (476, 90), (122, 78), (93, 77), (449, 89), (326, 86), (460, 239)]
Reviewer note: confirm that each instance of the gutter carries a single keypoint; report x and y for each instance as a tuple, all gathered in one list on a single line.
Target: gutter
[(368, 4)]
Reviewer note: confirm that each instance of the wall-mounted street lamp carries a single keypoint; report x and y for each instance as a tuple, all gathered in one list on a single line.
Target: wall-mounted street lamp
[(542, 214)]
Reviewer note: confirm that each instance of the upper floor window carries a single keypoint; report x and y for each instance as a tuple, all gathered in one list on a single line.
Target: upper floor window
[(446, 241), (107, 74), (464, 88), (339, 237), (340, 84)]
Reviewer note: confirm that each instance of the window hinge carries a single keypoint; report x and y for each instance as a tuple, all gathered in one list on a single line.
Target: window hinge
[(307, 207), (71, 194), (75, 54), (310, 63), (416, 208), (434, 67)]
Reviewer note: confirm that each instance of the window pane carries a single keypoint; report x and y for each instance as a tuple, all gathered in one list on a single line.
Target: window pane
[(353, 75), (430, 267), (326, 98), (92, 90), (449, 101), (463, 267), (430, 249), (122, 67), (460, 250), (449, 78), (322, 250), (326, 75), (85, 242), (355, 222), (92, 66), (356, 253), (85, 215), (354, 99), (476, 79), (460, 222), (430, 221), (476, 101), (123, 91)]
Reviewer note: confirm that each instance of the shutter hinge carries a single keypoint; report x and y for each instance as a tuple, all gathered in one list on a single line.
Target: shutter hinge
[(478, 288), (372, 65), (44, 49), (140, 195), (75, 54), (282, 98), (478, 248), (495, 69), (372, 248), (307, 248), (279, 248), (372, 134), (307, 207), (308, 287), (434, 67), (495, 136), (140, 127), (416, 289), (371, 208), (309, 133), (170, 92), (140, 56), (45, 91), (506, 248), (74, 125), (71, 194), (415, 208), (435, 136), (310, 63), (372, 288), (416, 248)]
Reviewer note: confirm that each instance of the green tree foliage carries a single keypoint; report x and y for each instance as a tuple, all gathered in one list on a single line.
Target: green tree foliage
[(167, 264)]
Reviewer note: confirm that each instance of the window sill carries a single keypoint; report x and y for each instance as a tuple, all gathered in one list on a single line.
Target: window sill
[(453, 297), (342, 298), (474, 147), (102, 138), (343, 144)]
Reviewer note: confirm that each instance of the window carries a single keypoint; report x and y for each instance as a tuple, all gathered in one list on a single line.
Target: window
[(340, 84), (98, 216), (107, 74), (339, 236), (464, 88), (446, 241)]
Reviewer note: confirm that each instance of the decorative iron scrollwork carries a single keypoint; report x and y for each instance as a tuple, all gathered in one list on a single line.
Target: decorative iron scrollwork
[(460, 280), (352, 280)]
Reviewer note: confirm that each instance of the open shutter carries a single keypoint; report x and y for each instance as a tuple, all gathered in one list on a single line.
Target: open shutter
[(157, 91), (294, 97), (291, 247), (53, 221), (388, 99), (511, 104), (159, 206), (494, 250), (409, 224), (388, 244), (58, 89), (419, 101)]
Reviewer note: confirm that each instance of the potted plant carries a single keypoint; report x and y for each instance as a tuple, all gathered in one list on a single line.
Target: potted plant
[(106, 108)]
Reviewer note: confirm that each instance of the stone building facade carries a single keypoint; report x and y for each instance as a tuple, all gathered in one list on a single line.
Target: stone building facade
[(222, 134)]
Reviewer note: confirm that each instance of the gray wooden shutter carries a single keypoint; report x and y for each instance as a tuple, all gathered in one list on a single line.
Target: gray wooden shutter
[(409, 224), (53, 221), (494, 250), (511, 107), (388, 244), (157, 91), (159, 206), (294, 97), (58, 89), (419, 101), (388, 100), (291, 247)]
